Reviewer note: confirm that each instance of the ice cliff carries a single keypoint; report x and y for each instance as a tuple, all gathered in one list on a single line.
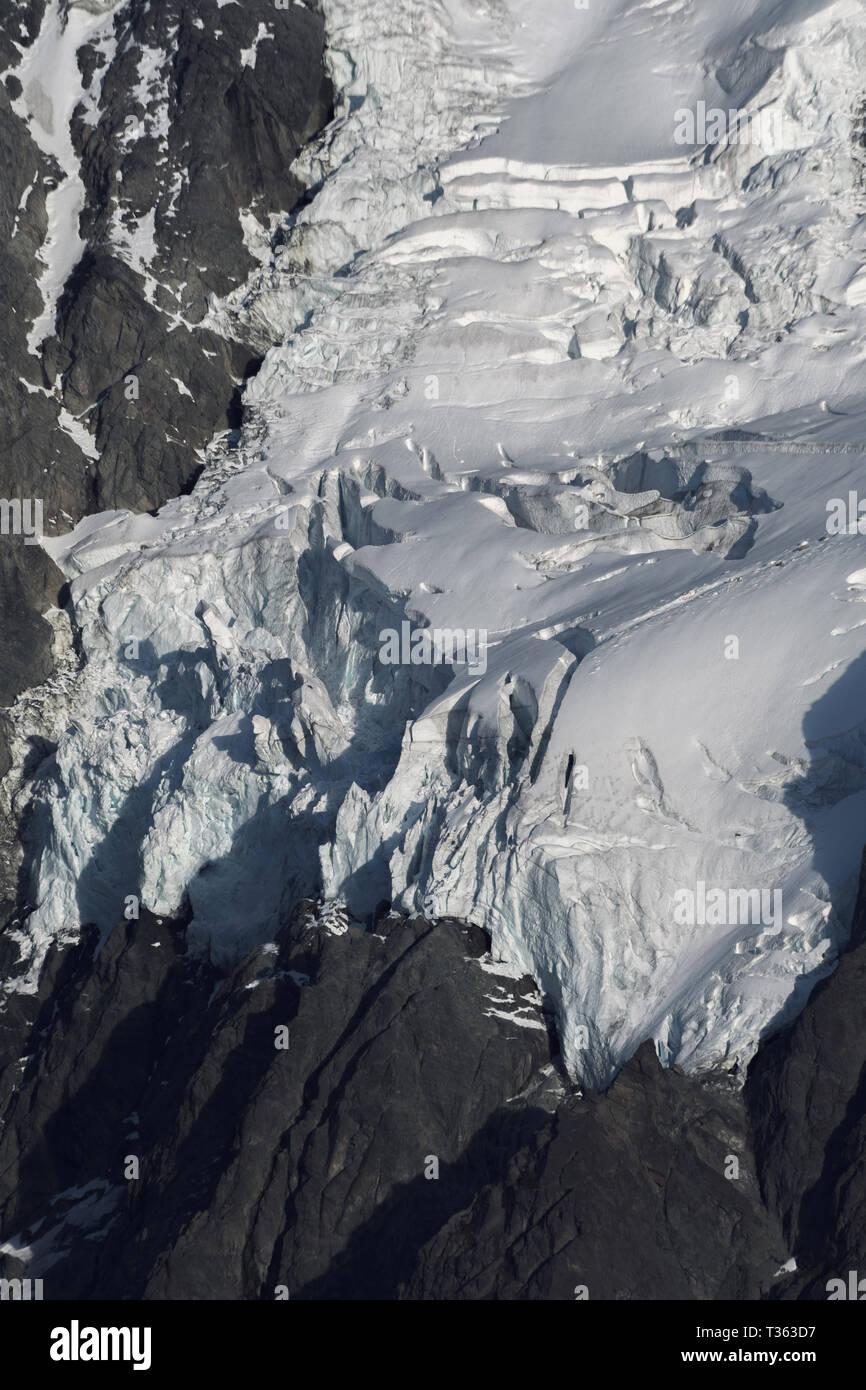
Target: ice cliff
[(534, 370)]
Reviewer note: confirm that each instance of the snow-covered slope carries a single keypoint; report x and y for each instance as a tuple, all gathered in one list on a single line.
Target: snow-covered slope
[(550, 379)]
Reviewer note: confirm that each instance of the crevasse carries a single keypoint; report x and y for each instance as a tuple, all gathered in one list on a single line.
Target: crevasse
[(541, 373)]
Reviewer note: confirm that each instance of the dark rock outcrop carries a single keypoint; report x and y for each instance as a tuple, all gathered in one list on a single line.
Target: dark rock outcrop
[(381, 1114), (415, 1138), (806, 1097), (205, 135), (348, 1114)]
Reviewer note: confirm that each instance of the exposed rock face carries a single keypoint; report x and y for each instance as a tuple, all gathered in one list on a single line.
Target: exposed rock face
[(190, 131), (623, 1194), (807, 1101), (38, 459), (346, 1114), (382, 1114), (310, 1167), (183, 119), (260, 1163)]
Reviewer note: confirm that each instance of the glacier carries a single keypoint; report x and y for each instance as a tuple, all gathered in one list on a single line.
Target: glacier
[(532, 368)]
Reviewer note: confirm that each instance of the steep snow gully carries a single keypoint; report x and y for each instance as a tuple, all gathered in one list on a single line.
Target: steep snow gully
[(524, 596)]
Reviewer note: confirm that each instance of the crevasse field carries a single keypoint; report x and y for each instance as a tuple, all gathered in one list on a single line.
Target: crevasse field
[(544, 370)]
